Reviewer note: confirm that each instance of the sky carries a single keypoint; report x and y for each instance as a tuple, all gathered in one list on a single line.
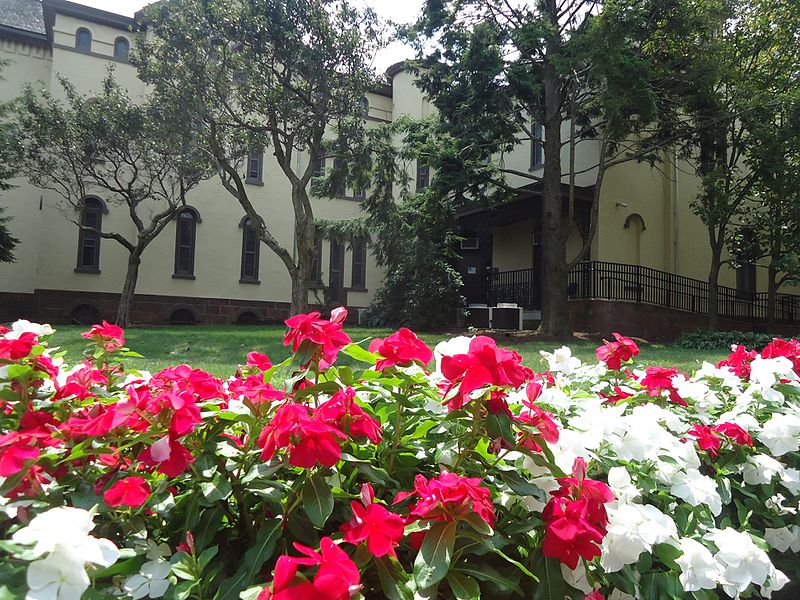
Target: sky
[(399, 11)]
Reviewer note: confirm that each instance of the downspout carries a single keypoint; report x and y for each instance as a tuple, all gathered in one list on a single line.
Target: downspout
[(675, 229)]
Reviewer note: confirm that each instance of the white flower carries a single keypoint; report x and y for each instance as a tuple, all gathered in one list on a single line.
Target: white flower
[(743, 562), (156, 551), (781, 434), (23, 326), (561, 360), (776, 503), (704, 398), (790, 479), (699, 570), (760, 469), (451, 347), (784, 538), (619, 480), (576, 578), (151, 581), (56, 578), (696, 488), (766, 372), (726, 374), (776, 580), (633, 529)]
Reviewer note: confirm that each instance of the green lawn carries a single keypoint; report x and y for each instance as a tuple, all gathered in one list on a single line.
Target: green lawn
[(219, 349)]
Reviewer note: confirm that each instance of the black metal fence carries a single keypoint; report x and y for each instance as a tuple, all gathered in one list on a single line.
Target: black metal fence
[(633, 283)]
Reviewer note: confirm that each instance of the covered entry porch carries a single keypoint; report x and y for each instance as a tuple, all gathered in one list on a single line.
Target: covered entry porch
[(501, 254)]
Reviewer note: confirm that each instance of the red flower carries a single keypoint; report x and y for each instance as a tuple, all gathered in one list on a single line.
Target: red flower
[(735, 432), (706, 440), (326, 335), (616, 353), (342, 412), (449, 497), (131, 491), (595, 595), (575, 518), (739, 361), (401, 348), (308, 441), (787, 348), (254, 388), (658, 380), (484, 365), (382, 529), (259, 361), (616, 395), (170, 456), (336, 577), (110, 337), (542, 421), (15, 349), (14, 454)]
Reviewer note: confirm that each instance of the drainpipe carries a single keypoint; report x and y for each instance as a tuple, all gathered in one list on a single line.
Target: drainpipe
[(675, 229)]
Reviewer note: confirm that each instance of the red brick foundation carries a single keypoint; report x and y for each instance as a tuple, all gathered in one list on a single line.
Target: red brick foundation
[(65, 306), (652, 322)]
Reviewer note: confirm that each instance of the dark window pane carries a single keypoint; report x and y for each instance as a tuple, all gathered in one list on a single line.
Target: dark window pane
[(254, 166), (89, 240), (250, 249), (184, 243), (83, 40), (358, 278), (121, 48), (423, 176), (319, 166)]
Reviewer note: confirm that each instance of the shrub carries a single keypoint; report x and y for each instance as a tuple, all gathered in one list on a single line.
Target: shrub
[(723, 340), (312, 479)]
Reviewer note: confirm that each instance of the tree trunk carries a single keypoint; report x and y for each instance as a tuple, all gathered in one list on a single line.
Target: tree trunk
[(555, 276), (305, 248), (772, 292), (713, 287), (129, 288)]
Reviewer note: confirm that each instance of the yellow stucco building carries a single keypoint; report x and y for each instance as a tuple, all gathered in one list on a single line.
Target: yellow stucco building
[(205, 269)]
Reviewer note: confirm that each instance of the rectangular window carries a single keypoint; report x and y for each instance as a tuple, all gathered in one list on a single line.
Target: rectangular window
[(88, 236), (537, 147), (316, 263), (340, 168), (423, 175), (358, 280), (185, 231), (255, 163), (250, 248), (336, 272), (319, 165), (359, 194)]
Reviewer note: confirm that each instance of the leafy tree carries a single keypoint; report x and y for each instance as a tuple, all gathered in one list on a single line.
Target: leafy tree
[(273, 76), (138, 156), (589, 73), (8, 147)]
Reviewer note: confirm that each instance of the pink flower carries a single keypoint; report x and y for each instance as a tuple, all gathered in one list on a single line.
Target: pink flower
[(735, 432), (308, 441), (337, 576), (787, 348), (449, 497), (658, 380), (739, 361), (616, 353), (326, 336), (706, 440), (401, 348), (170, 456), (15, 452), (381, 528), (342, 412), (131, 491), (254, 388), (259, 361), (484, 365), (110, 337), (595, 595), (16, 349)]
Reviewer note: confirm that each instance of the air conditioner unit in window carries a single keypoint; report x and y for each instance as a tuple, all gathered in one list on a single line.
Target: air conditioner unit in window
[(470, 243)]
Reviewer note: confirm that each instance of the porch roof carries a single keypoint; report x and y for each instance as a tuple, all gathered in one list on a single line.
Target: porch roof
[(526, 205)]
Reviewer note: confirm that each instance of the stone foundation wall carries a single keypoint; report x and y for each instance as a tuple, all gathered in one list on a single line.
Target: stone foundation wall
[(653, 322), (66, 306)]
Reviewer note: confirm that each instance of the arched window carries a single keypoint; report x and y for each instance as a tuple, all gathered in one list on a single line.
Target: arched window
[(89, 236), (185, 233), (250, 250), (121, 48), (363, 105), (83, 40)]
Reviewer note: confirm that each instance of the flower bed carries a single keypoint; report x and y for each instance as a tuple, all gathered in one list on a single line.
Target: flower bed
[(316, 479)]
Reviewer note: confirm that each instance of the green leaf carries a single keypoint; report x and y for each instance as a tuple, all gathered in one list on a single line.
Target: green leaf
[(254, 559), (489, 573), (479, 524), (251, 593), (125, 567), (393, 579), (206, 557), (551, 583), (317, 499), (464, 587), (208, 526), (360, 354), (217, 489), (433, 558), (183, 590), (183, 567)]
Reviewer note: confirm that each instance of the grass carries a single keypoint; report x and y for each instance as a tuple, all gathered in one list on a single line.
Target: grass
[(219, 349)]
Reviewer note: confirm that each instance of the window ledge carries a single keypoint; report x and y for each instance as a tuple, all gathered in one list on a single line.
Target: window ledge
[(90, 270), (258, 182), (182, 276), (356, 289), (536, 168), (250, 281)]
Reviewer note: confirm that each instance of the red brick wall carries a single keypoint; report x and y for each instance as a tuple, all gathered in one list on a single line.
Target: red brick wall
[(651, 322)]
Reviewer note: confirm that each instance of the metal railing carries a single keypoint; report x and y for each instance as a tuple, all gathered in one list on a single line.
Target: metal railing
[(632, 283)]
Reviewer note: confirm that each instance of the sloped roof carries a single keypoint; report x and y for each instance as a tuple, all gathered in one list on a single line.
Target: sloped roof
[(25, 15)]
